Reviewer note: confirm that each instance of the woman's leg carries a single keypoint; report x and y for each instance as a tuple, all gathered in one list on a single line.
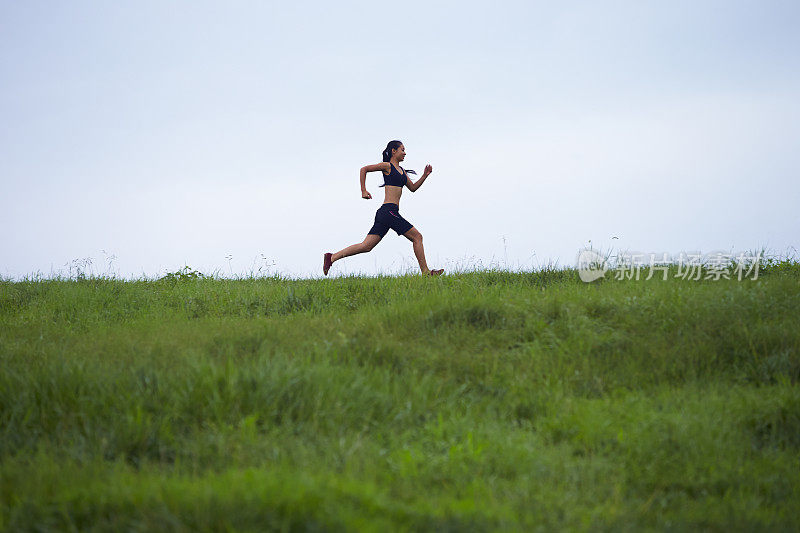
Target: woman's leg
[(365, 246), (415, 237)]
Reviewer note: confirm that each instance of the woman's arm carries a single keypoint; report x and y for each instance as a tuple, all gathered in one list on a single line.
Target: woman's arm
[(414, 185), (363, 177)]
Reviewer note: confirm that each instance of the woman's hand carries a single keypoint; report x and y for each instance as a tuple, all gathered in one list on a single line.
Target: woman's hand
[(366, 195), (428, 170)]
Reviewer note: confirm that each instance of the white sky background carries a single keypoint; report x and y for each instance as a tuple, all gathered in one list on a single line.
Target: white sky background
[(184, 133)]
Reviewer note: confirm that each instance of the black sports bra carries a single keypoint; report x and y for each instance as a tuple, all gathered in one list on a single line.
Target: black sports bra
[(395, 178)]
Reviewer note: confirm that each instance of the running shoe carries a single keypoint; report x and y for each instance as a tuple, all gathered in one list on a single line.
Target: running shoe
[(326, 263)]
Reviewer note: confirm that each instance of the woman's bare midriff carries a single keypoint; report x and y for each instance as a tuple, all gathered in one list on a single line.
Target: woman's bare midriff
[(393, 194)]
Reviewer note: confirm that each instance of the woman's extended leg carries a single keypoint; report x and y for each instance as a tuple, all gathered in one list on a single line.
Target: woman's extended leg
[(415, 237), (366, 245)]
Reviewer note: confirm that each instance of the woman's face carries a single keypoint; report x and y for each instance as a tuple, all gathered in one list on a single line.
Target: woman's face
[(401, 153)]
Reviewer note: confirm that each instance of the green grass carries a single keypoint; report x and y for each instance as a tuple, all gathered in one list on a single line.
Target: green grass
[(476, 401)]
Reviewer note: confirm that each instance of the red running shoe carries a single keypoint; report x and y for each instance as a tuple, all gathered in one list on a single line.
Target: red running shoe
[(326, 263)]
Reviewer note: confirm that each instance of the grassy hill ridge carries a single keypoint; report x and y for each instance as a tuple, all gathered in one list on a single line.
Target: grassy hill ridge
[(480, 400)]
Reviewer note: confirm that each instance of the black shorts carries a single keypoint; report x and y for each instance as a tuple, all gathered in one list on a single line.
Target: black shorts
[(388, 216)]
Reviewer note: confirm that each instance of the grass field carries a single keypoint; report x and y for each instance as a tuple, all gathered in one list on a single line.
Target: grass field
[(476, 401)]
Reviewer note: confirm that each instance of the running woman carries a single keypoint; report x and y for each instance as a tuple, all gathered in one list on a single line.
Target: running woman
[(388, 214)]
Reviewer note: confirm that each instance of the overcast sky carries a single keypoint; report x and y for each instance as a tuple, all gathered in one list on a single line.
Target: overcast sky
[(228, 136)]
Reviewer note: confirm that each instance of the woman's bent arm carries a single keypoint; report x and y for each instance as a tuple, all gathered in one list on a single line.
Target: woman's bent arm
[(363, 176), (414, 185)]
